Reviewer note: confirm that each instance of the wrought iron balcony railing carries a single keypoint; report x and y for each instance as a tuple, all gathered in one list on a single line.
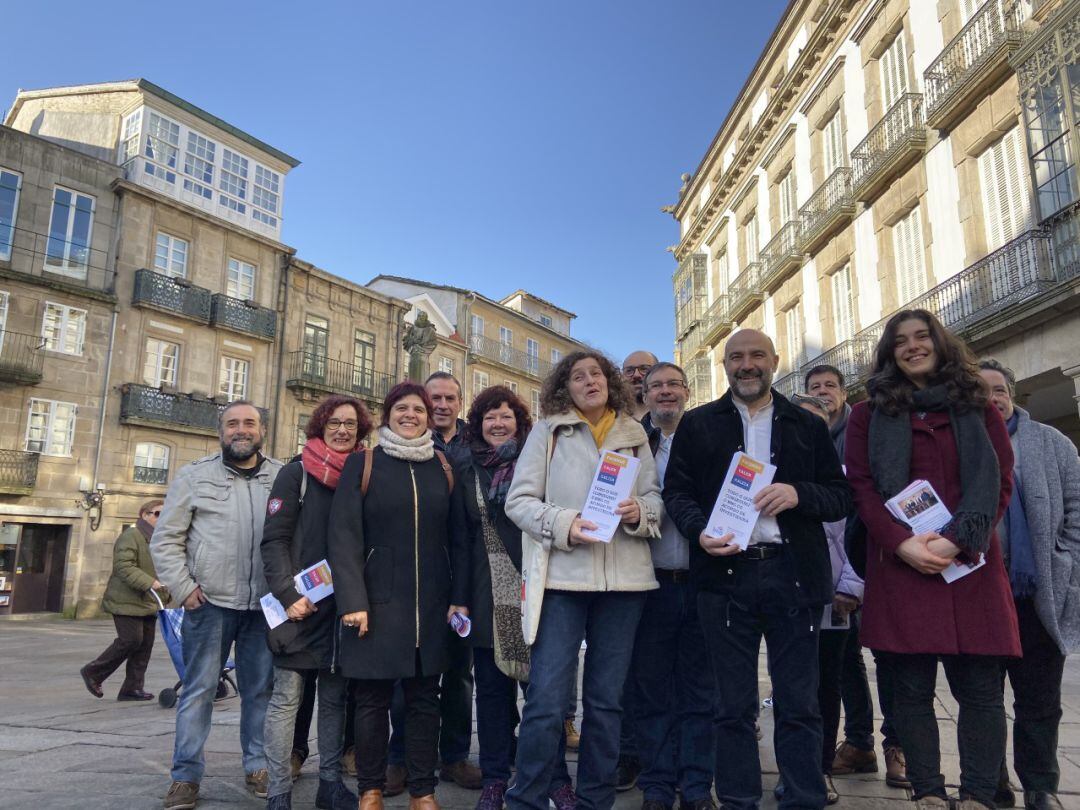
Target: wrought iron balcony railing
[(56, 261), (976, 57), (186, 413), (699, 379), (151, 475), (168, 294), (780, 256), (18, 472), (690, 343), (788, 384), (308, 371), (507, 355), (745, 290), (897, 138), (21, 357), (830, 206), (717, 320), (243, 316)]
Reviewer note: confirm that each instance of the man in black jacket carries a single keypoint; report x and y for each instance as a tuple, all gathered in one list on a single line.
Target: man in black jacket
[(778, 585)]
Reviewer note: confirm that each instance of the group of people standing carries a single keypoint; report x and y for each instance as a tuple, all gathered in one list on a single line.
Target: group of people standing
[(444, 522)]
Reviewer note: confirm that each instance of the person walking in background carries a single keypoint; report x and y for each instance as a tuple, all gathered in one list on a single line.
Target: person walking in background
[(295, 538), (1040, 536), (928, 417), (206, 551), (577, 587), (390, 558), (133, 607)]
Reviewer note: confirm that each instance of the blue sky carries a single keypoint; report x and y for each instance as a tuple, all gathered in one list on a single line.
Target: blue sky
[(490, 145)]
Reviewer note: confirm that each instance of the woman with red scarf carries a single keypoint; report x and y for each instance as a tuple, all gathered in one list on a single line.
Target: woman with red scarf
[(294, 538)]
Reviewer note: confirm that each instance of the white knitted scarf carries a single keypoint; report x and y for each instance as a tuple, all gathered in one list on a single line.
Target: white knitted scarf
[(422, 448)]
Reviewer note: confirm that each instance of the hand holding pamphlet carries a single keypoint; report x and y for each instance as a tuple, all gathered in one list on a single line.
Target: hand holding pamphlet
[(734, 511), (612, 483), (314, 582), (921, 509)]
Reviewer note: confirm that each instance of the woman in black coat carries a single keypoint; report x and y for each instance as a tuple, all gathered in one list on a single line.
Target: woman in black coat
[(389, 551), (295, 538), (486, 552)]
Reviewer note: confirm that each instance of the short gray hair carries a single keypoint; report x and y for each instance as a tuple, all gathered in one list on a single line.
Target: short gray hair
[(990, 364), (807, 399)]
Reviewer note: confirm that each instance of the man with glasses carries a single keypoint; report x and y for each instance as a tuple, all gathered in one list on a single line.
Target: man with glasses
[(133, 607), (670, 674), (634, 368)]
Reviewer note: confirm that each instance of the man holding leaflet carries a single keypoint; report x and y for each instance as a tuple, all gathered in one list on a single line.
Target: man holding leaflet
[(778, 586)]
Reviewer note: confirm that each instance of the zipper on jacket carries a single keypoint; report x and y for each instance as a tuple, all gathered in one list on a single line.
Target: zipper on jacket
[(251, 560), (416, 548)]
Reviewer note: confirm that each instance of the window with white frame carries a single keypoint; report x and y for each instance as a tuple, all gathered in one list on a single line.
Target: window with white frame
[(171, 255), (234, 181), (265, 196), (506, 336), (750, 235), (535, 403), (162, 360), (162, 146), (480, 382), (129, 136), (63, 328), (723, 273), (832, 142), (363, 361), (151, 463), (968, 8), (476, 325), (50, 428), (545, 320), (446, 364), (894, 81), (795, 345), (241, 280), (1006, 205), (199, 165), (71, 226), (843, 309), (10, 184), (233, 378), (788, 208), (556, 356), (532, 355), (910, 261)]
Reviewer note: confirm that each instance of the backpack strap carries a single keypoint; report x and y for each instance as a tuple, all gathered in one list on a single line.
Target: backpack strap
[(447, 469), (369, 457), (303, 485)]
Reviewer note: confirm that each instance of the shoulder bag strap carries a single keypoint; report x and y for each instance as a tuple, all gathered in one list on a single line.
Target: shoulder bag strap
[(446, 469), (369, 457)]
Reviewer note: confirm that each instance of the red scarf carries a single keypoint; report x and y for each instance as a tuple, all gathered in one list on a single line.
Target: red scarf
[(323, 463)]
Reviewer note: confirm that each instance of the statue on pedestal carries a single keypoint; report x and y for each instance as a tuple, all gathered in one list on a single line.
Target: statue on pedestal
[(420, 341)]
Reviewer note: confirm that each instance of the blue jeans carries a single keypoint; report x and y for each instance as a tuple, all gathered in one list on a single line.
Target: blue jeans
[(607, 620), (209, 632), (762, 603), (671, 679)]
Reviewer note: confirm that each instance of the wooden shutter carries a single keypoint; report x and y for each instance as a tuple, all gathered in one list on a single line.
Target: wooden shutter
[(1007, 209), (911, 269), (843, 312), (751, 234), (788, 208), (833, 141), (893, 72)]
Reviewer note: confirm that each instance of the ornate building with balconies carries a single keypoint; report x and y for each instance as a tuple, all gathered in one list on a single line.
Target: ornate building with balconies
[(887, 154)]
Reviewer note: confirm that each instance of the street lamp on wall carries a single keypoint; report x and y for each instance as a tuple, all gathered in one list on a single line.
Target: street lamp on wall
[(91, 502)]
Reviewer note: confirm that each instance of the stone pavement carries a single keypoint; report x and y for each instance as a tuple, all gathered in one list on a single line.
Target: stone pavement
[(61, 748)]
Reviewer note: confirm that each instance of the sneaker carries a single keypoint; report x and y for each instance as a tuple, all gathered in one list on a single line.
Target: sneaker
[(258, 782), (831, 796), (182, 796), (492, 796), (463, 774), (573, 738), (626, 773), (296, 762), (280, 802), (395, 780), (334, 796), (895, 768), (564, 798), (348, 761), (849, 759)]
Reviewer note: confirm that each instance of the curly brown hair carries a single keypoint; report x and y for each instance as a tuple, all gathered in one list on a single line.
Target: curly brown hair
[(889, 388), (555, 394), (488, 400), (316, 424)]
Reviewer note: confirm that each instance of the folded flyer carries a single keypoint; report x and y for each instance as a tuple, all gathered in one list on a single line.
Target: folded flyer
[(830, 620), (314, 582), (922, 510), (734, 511), (612, 483)]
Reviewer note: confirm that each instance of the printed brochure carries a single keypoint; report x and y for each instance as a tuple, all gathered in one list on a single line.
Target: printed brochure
[(734, 511), (612, 483), (922, 510)]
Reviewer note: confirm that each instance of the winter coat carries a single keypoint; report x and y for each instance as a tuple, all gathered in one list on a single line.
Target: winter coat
[(390, 556), (544, 505), (128, 590), (908, 612), (707, 438), (845, 580), (1049, 473), (209, 532), (294, 538)]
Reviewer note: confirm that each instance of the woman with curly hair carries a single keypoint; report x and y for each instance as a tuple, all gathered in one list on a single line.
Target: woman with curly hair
[(928, 417), (577, 587)]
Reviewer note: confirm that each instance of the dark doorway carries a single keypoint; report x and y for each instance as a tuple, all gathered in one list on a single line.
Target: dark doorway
[(38, 584)]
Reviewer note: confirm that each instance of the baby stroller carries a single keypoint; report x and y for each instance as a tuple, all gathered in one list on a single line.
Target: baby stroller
[(170, 620)]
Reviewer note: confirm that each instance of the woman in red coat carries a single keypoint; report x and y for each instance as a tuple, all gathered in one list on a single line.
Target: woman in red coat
[(928, 417)]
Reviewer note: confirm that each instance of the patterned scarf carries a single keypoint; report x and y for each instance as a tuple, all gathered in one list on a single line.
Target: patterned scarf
[(323, 463), (500, 461)]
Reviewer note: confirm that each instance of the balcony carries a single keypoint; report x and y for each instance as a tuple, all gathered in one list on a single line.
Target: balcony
[(893, 144), (18, 472), (974, 61), (245, 317), (829, 208), (21, 358), (184, 413), (699, 379), (745, 292), (176, 296), (311, 376), (506, 355), (157, 476), (717, 320), (781, 256), (689, 344), (789, 384), (53, 262), (689, 282)]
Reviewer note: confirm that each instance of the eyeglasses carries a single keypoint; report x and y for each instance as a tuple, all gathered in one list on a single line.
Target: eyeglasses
[(630, 371), (349, 424), (659, 385), (155, 513)]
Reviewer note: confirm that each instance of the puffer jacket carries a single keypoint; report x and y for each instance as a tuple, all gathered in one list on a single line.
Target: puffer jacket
[(544, 503), (209, 533)]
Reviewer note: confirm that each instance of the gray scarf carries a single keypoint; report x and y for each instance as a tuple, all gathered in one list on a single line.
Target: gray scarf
[(980, 482), (422, 448)]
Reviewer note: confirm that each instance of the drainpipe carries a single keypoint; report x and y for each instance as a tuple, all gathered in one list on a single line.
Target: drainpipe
[(283, 300)]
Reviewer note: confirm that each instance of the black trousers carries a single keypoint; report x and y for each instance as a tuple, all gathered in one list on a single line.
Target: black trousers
[(975, 682), (832, 652), (1036, 684), (421, 732), (134, 643), (307, 709)]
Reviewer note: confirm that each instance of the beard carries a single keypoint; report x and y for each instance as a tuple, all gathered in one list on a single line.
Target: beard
[(240, 449), (749, 389)]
